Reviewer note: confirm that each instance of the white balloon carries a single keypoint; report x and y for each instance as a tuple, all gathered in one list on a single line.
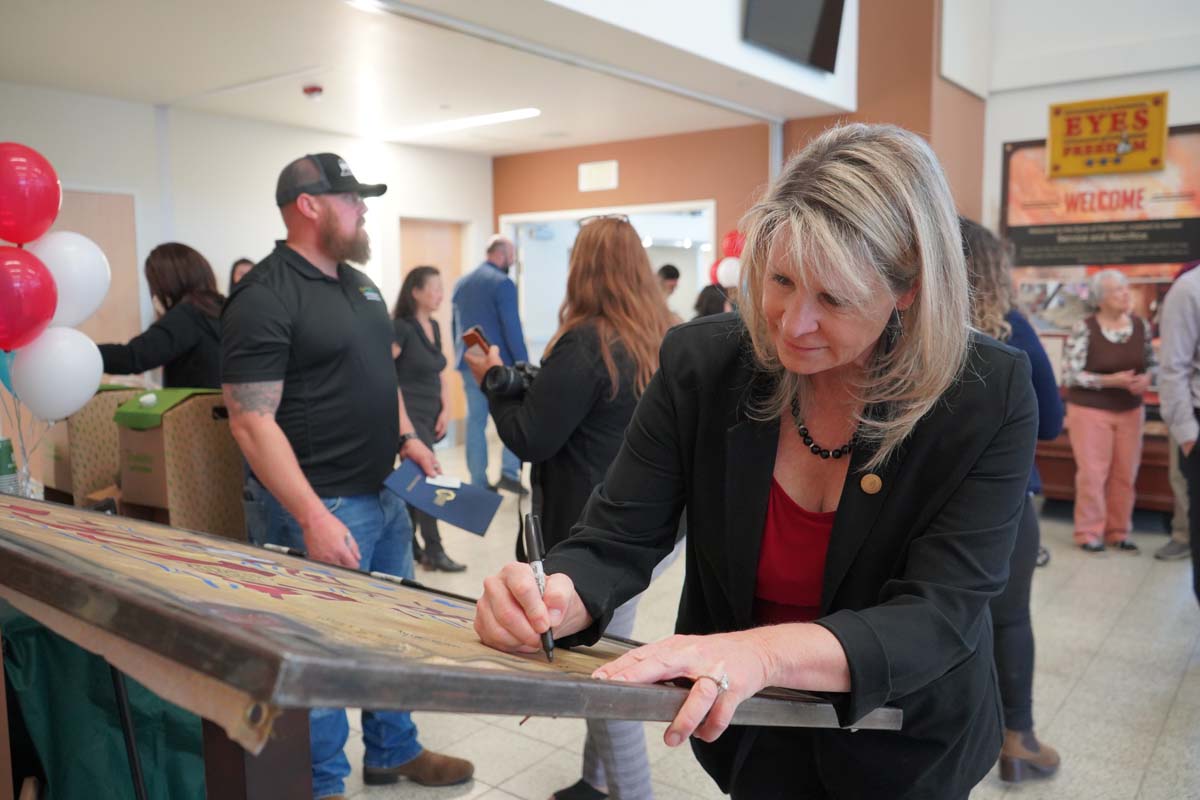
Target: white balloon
[(80, 271), (56, 374), (729, 272)]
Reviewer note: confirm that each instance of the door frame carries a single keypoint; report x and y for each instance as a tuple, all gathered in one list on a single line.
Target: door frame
[(509, 222)]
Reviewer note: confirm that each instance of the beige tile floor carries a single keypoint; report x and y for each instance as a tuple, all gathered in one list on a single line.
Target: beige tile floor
[(1117, 687)]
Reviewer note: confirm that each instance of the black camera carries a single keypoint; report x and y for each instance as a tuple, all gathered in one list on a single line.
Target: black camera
[(511, 381)]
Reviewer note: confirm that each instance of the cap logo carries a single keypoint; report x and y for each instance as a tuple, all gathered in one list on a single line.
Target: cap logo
[(345, 168)]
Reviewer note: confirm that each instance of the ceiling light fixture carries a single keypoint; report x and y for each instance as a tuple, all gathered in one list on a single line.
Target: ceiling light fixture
[(370, 6), (464, 123)]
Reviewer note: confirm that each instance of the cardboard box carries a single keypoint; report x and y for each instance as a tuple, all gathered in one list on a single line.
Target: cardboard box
[(177, 454), (80, 453)]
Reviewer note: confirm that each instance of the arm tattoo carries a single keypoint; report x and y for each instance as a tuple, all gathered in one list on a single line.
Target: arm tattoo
[(261, 397)]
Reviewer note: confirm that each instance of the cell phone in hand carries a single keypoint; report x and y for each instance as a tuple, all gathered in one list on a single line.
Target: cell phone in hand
[(474, 337)]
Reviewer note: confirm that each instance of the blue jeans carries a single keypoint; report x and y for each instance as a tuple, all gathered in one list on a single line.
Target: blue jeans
[(381, 527), (477, 454)]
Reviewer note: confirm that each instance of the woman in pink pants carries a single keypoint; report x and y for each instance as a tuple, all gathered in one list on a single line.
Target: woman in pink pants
[(1107, 362)]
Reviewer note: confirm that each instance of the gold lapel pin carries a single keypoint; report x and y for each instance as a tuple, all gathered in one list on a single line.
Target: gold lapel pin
[(871, 483)]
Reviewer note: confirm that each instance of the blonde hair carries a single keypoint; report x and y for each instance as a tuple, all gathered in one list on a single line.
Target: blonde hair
[(864, 209), (989, 270)]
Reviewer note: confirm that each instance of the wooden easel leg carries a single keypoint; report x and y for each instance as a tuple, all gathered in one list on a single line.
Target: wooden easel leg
[(282, 769)]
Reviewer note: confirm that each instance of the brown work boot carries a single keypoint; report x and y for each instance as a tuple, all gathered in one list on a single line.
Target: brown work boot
[(1023, 756), (427, 769)]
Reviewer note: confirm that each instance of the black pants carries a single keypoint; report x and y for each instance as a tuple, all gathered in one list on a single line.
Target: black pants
[(1013, 627), (1190, 467), (431, 540)]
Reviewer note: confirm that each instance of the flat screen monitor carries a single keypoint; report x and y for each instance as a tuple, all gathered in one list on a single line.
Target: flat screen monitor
[(805, 31)]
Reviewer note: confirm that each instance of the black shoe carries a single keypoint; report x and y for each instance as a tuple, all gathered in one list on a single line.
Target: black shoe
[(1127, 546), (442, 562), (580, 790), (512, 485), (418, 553), (1094, 547)]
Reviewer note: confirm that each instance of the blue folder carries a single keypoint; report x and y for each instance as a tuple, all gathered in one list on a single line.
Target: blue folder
[(468, 507)]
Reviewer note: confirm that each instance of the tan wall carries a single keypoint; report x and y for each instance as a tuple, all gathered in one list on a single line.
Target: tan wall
[(899, 82), (957, 138), (727, 165), (895, 62)]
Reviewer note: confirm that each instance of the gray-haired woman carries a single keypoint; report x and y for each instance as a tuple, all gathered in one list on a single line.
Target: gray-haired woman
[(1107, 363)]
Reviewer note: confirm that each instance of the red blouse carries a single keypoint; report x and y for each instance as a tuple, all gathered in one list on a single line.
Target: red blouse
[(791, 564)]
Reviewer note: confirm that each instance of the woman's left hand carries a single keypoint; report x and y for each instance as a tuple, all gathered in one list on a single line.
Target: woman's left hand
[(740, 658), (439, 426), (481, 364)]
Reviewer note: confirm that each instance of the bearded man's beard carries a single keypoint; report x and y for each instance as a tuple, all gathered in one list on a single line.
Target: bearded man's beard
[(355, 249)]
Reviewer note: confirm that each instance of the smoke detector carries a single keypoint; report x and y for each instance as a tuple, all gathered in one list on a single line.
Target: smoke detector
[(313, 91)]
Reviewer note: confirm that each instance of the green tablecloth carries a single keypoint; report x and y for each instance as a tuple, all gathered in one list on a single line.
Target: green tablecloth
[(66, 699)]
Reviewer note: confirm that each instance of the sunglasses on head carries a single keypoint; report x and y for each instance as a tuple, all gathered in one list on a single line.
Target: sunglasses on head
[(617, 217)]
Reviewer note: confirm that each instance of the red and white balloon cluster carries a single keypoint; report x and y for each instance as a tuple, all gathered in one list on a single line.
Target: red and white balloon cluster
[(49, 283), (726, 271)]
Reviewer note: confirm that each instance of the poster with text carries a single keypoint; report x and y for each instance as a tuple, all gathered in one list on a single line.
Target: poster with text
[(1149, 222)]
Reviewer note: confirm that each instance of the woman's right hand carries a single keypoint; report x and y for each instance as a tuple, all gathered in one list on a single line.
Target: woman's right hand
[(512, 614), (1119, 380)]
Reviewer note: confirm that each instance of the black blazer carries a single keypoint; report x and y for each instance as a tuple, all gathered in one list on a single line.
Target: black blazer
[(185, 342), (569, 426), (908, 574)]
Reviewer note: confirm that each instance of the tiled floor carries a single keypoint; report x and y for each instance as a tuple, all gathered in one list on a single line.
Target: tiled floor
[(1117, 688)]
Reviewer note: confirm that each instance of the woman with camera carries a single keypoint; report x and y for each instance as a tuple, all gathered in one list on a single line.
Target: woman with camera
[(569, 421)]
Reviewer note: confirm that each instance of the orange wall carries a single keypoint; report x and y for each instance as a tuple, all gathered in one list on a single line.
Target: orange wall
[(957, 138), (728, 165), (899, 82)]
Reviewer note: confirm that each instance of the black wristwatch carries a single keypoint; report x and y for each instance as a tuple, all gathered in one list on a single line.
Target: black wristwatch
[(404, 439)]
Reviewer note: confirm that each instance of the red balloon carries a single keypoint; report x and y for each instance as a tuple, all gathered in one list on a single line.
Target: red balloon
[(732, 244), (30, 194), (28, 297)]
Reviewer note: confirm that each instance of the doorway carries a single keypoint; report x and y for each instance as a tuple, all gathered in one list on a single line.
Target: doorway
[(439, 244), (682, 234)]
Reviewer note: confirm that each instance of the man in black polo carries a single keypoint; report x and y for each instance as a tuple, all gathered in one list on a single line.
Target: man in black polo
[(311, 388)]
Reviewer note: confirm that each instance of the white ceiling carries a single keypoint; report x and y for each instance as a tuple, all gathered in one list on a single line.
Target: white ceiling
[(381, 73)]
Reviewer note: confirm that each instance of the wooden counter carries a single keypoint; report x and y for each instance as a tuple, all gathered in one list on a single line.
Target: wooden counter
[(1057, 467)]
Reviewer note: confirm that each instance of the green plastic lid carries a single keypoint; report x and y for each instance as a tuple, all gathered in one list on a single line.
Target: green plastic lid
[(132, 414)]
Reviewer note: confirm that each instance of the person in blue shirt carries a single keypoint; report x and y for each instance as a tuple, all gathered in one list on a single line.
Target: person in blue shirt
[(994, 313), (487, 297)]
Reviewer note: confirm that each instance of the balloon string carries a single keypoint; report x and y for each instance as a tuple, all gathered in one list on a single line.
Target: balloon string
[(25, 471)]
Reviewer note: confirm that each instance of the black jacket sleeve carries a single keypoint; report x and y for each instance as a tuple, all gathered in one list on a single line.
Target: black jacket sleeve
[(929, 618), (536, 425), (631, 520), (169, 338)]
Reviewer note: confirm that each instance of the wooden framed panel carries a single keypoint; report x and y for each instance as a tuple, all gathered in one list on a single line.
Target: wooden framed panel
[(287, 633)]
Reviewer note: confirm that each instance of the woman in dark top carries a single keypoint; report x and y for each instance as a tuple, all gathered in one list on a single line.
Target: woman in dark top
[(852, 460), (420, 368), (186, 338), (712, 300), (569, 425), (993, 312), (238, 271)]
